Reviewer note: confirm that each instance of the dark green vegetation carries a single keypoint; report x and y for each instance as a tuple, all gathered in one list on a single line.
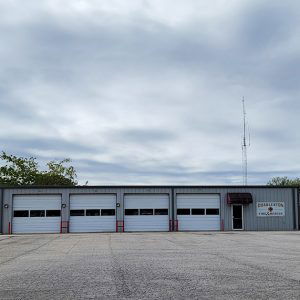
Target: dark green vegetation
[(25, 171), (284, 181)]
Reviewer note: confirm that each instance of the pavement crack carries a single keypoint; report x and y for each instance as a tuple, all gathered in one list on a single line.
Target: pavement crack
[(255, 267), (73, 246), (27, 252), (118, 273)]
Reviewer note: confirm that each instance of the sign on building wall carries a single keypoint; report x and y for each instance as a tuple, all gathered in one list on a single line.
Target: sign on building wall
[(270, 209)]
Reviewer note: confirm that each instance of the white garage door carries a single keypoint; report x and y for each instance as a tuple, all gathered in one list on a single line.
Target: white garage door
[(146, 212), (198, 212), (36, 214), (93, 213)]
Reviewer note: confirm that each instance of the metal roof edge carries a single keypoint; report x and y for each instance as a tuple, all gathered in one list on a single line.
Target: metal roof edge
[(139, 186)]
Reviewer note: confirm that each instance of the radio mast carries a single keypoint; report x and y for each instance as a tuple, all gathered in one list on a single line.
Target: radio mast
[(245, 145)]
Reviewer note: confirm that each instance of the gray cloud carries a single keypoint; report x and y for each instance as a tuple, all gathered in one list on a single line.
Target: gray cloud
[(150, 92), (265, 24), (142, 136), (57, 144)]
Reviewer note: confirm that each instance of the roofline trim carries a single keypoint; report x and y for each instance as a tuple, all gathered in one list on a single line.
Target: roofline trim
[(142, 186)]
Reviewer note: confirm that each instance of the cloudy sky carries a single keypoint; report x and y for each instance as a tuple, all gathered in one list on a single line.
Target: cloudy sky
[(149, 92)]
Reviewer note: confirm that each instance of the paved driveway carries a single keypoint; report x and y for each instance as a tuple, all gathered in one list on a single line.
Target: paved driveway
[(245, 265)]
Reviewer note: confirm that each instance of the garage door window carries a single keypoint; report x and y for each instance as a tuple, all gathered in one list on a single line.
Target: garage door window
[(92, 212), (131, 212), (77, 213), (183, 211), (107, 212), (212, 211), (37, 213), (146, 212), (52, 213), (21, 214), (198, 211), (161, 212)]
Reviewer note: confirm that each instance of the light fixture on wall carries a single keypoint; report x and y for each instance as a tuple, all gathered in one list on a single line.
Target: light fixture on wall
[(6, 205), (63, 206), (118, 204)]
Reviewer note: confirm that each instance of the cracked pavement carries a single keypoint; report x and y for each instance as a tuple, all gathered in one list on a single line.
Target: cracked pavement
[(194, 265)]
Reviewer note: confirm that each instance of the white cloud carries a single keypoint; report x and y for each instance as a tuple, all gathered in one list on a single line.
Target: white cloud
[(149, 91)]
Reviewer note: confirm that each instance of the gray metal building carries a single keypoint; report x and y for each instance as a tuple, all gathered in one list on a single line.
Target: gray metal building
[(147, 208)]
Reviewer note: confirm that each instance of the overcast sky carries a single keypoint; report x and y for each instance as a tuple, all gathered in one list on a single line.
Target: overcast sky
[(149, 92)]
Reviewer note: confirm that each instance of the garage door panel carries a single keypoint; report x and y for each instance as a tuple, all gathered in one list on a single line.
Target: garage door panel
[(97, 223), (93, 224), (32, 224), (147, 201), (208, 206), (36, 225), (198, 201), (36, 202), (145, 222), (92, 201), (190, 223)]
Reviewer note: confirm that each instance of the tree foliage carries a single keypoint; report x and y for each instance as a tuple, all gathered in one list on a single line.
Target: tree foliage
[(25, 171), (284, 181)]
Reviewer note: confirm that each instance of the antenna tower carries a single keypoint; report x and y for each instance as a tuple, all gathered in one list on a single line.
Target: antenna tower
[(245, 145)]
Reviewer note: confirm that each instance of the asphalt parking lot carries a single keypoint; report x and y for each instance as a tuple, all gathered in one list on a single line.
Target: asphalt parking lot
[(244, 265)]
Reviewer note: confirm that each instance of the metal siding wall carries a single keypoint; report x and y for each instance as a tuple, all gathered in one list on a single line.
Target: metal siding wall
[(65, 212), (298, 196), (251, 221), (297, 209), (273, 223), (1, 206), (6, 211), (225, 210)]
